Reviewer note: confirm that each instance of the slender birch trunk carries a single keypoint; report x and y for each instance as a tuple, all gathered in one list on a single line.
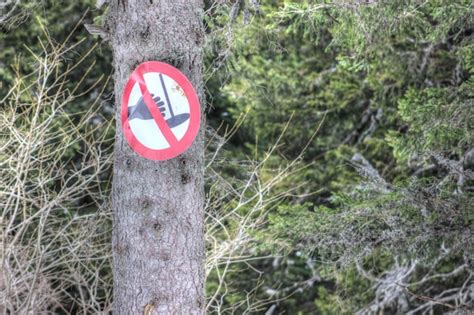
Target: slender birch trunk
[(158, 237)]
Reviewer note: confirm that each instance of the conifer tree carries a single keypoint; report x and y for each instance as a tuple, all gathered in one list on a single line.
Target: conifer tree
[(158, 237)]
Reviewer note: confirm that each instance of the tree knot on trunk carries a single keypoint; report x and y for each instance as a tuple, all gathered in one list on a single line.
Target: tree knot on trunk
[(184, 170), (185, 179)]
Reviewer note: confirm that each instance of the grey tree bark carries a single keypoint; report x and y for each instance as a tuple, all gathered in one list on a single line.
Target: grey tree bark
[(158, 234)]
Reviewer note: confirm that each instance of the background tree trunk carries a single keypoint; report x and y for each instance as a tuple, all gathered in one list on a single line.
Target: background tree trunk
[(158, 240)]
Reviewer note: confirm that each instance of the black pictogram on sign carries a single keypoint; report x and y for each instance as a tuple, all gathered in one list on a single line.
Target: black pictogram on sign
[(160, 111)]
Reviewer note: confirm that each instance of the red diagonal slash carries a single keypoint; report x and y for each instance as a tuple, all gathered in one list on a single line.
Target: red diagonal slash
[(155, 113)]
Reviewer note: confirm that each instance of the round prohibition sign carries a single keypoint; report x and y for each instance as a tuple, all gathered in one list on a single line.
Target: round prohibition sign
[(160, 111)]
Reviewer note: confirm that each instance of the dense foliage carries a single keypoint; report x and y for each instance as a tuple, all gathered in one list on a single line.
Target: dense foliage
[(387, 198), (346, 185)]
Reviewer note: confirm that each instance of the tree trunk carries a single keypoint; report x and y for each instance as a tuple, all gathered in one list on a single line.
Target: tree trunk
[(158, 234)]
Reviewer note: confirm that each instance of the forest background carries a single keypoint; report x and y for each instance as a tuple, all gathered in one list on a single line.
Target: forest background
[(339, 162)]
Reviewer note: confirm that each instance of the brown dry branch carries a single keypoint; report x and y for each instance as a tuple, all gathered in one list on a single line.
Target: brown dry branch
[(235, 209), (395, 289), (54, 166)]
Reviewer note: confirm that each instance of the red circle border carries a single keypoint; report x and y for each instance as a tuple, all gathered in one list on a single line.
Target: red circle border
[(194, 112)]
